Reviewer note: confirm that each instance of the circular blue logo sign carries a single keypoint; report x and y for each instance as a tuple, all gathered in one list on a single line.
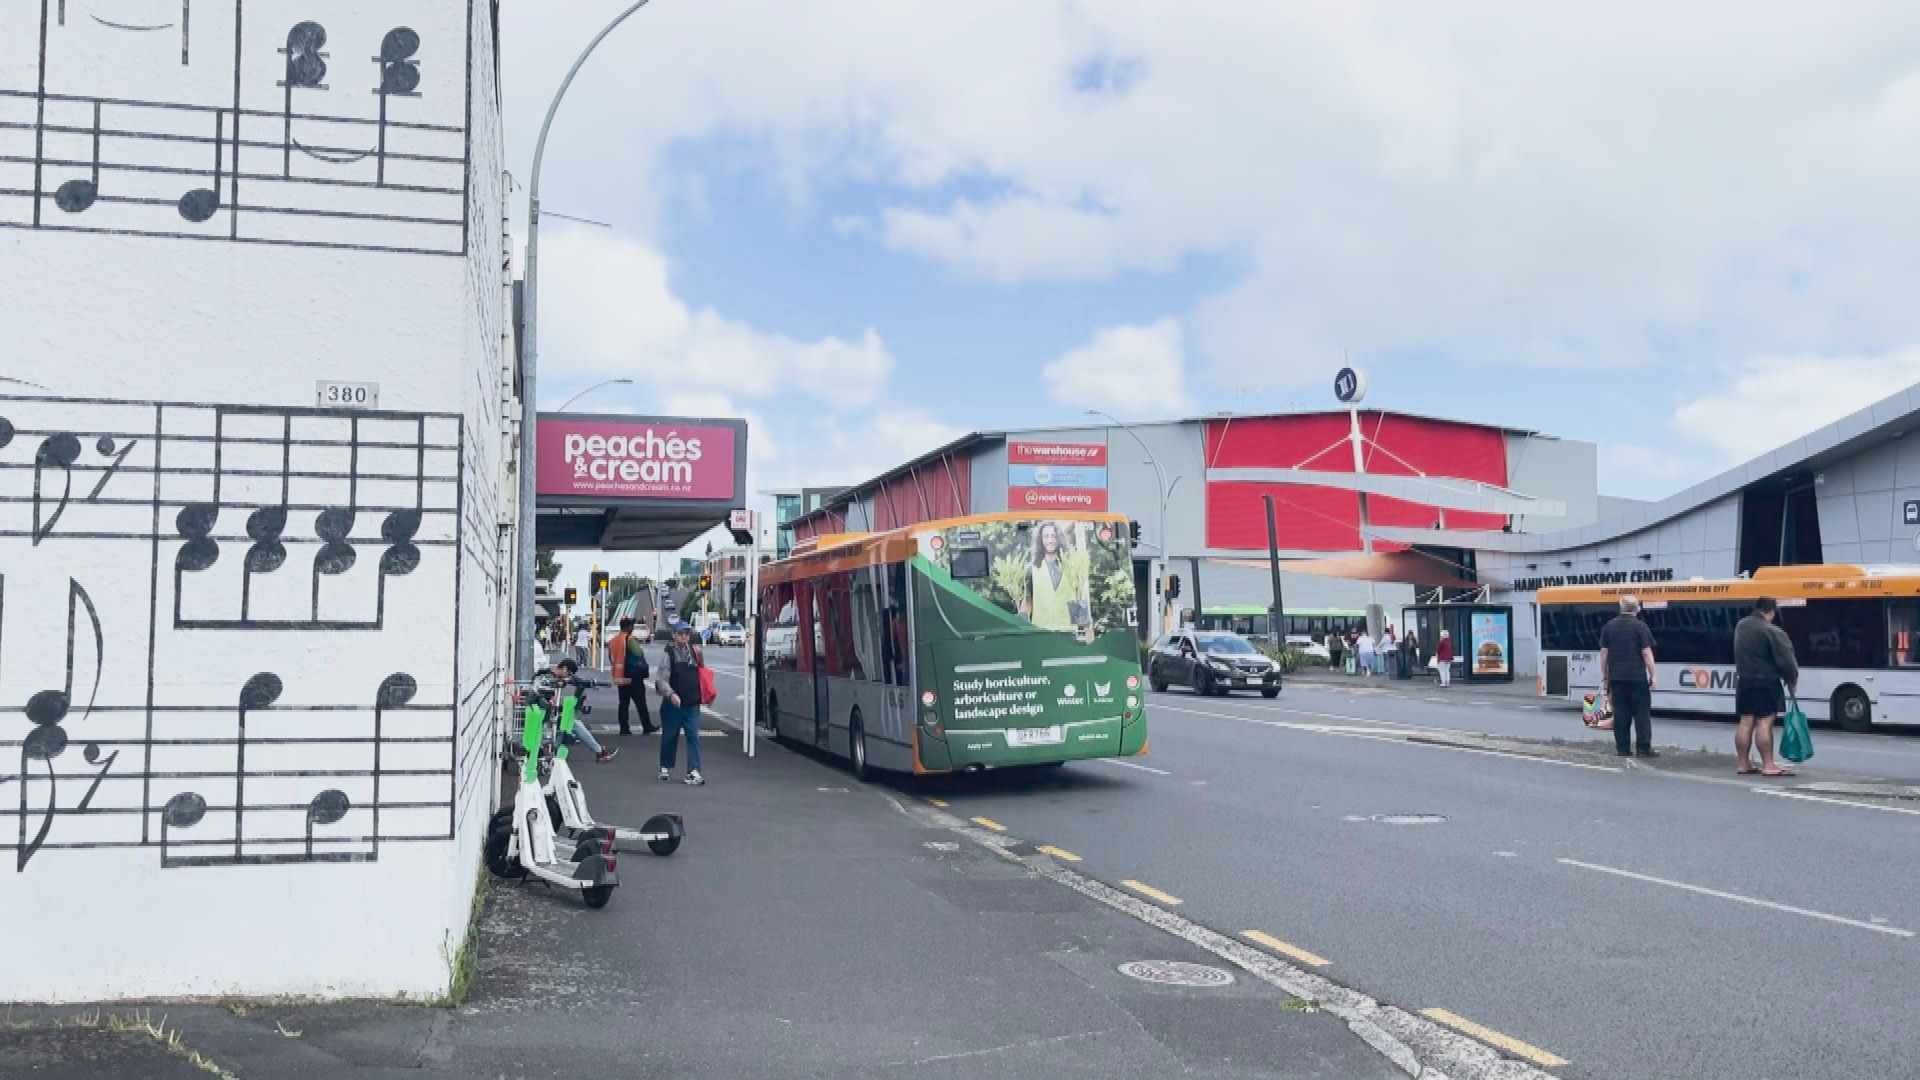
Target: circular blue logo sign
[(1349, 385)]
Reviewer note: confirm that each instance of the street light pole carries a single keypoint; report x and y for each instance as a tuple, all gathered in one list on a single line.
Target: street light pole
[(1160, 538), (530, 367), (591, 389)]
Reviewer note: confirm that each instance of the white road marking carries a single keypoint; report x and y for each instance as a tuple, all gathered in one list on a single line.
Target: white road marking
[(1375, 735), (1129, 765), (1739, 899), (1387, 1029), (1778, 794)]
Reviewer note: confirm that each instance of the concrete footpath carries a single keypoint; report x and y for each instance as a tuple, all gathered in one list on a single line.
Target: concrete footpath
[(808, 927)]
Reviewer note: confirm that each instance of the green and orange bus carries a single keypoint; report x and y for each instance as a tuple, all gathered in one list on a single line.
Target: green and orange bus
[(957, 645)]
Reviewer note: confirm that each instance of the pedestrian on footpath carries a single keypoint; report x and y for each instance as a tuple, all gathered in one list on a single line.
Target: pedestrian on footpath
[(1410, 653), (1443, 659), (1336, 646), (1626, 662), (679, 687), (1389, 651), (627, 663), (1364, 646), (1762, 660), (565, 668)]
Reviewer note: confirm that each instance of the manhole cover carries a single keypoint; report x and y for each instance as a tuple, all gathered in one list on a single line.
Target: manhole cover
[(1397, 819), (1175, 973)]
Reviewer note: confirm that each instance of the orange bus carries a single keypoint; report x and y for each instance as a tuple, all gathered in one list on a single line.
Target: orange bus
[(1855, 632)]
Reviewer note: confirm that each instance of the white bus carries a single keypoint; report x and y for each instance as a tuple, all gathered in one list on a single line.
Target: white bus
[(1855, 632)]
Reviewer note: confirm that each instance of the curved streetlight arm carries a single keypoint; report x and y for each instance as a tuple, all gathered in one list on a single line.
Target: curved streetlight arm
[(530, 368), (591, 389)]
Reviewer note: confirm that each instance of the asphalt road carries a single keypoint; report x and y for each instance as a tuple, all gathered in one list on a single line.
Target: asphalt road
[(1634, 923)]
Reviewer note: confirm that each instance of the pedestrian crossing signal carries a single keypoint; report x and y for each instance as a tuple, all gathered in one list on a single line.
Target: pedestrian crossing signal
[(573, 596), (1133, 532)]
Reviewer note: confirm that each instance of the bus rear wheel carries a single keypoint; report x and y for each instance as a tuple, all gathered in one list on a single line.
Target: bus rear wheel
[(857, 748), (1851, 709)]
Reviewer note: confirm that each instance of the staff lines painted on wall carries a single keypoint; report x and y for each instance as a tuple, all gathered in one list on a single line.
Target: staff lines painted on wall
[(270, 128), (214, 763)]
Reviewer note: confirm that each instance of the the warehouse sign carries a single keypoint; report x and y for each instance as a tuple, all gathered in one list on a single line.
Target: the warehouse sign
[(1056, 476), (1605, 577)]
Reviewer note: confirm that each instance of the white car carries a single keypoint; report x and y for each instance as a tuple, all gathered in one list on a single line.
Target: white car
[(1305, 644), (729, 634)]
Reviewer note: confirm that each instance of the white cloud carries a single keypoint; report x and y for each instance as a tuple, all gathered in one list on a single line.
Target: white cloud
[(1507, 183), (1128, 370), (1773, 400), (607, 310)]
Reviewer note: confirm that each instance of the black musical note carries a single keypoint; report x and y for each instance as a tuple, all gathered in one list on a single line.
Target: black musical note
[(306, 66), (75, 196), (47, 710), (264, 527), (201, 204), (396, 691), (399, 76), (260, 692), (328, 807), (62, 451), (183, 811)]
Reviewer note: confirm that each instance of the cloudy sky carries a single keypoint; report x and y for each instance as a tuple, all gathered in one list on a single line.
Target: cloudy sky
[(1683, 232)]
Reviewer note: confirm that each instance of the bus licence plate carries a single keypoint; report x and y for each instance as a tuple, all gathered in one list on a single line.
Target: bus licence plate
[(1035, 736)]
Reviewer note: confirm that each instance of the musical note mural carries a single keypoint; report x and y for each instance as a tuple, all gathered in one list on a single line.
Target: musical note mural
[(146, 549), (251, 121)]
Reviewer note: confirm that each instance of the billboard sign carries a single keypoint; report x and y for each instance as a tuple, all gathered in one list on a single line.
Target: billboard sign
[(638, 458), (1492, 643), (1056, 475)]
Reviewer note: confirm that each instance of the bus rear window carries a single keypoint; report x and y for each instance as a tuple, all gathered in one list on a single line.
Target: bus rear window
[(966, 564)]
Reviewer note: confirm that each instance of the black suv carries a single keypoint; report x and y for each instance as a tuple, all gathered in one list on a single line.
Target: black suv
[(1212, 663)]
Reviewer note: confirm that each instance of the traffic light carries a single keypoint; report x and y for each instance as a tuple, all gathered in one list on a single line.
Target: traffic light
[(597, 581), (706, 582), (573, 596), (1133, 532), (1173, 586)]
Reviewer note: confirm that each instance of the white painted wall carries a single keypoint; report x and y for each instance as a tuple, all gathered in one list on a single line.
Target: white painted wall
[(167, 324)]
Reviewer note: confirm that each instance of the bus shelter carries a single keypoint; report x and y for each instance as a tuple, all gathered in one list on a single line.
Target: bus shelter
[(1482, 636)]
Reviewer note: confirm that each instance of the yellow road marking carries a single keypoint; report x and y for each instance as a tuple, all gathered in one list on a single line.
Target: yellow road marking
[(1493, 1038), (1279, 946), (1150, 891), (941, 803), (1058, 853), (990, 823)]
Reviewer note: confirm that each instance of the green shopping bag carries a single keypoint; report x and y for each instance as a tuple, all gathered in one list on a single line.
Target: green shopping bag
[(1796, 742)]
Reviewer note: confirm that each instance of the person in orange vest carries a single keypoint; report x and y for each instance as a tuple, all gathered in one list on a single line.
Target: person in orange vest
[(628, 666)]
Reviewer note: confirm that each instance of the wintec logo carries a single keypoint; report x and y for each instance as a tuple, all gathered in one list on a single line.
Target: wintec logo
[(641, 458), (1705, 679)]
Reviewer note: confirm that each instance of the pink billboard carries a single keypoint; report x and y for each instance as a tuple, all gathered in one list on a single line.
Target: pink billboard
[(641, 458)]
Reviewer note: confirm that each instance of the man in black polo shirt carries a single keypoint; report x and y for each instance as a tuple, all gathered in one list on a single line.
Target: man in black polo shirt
[(1626, 663)]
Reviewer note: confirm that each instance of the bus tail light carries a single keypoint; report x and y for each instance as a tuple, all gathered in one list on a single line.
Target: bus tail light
[(1133, 682), (928, 699)]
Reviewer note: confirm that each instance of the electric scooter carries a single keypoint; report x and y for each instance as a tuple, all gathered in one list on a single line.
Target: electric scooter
[(567, 800), (520, 839)]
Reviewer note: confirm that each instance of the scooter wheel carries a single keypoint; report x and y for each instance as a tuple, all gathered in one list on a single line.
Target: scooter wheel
[(597, 896), (665, 846), (499, 854)]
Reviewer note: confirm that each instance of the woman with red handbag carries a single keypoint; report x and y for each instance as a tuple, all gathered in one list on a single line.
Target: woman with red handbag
[(684, 684)]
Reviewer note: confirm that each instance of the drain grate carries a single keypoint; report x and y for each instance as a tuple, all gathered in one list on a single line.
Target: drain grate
[(1176, 973), (1397, 819)]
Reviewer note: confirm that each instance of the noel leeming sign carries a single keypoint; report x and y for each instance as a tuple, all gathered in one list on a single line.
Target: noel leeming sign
[(644, 460)]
